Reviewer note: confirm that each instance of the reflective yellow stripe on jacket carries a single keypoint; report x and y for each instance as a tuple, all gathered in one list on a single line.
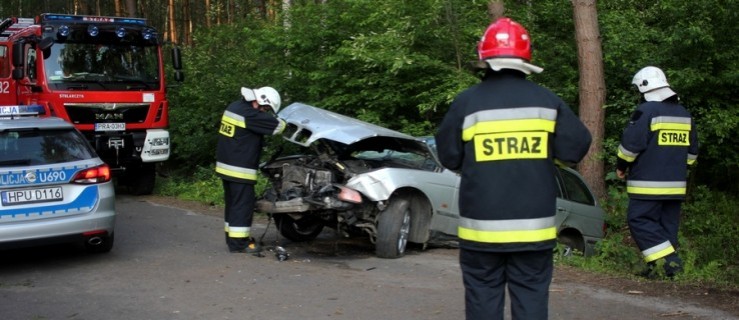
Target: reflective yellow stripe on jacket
[(656, 187), (691, 159), (508, 120), (507, 231), (236, 172), (670, 123), (627, 155)]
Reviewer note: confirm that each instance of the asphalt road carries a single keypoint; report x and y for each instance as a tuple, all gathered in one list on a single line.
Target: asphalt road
[(171, 263)]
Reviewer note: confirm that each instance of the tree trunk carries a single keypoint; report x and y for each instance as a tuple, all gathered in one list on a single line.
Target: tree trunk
[(131, 8), (187, 23), (592, 90), (208, 13), (496, 10), (172, 25), (118, 8)]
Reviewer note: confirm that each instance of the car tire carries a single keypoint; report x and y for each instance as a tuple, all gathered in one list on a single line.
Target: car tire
[(104, 246), (305, 228), (393, 229), (570, 245)]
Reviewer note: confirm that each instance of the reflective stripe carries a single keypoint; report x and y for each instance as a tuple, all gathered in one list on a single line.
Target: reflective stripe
[(659, 251), (656, 187), (507, 231), (280, 127), (508, 120), (627, 155), (670, 123), (233, 119), (238, 232), (236, 172), (692, 158)]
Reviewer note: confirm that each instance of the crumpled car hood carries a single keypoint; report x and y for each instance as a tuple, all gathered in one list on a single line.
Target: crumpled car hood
[(308, 124)]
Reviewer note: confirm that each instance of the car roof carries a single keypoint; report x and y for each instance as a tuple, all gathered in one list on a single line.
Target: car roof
[(324, 124)]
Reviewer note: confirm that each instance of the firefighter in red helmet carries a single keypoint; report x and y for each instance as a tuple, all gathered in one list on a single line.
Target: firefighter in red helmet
[(504, 135), (240, 139)]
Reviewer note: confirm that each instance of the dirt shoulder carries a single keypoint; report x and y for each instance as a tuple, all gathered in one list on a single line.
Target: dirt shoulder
[(699, 294)]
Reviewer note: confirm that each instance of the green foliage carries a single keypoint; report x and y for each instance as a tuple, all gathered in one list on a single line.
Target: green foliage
[(709, 229), (203, 186)]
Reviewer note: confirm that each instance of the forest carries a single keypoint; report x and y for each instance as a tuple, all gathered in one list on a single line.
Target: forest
[(399, 64)]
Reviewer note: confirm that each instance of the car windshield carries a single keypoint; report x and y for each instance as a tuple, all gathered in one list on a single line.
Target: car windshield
[(95, 66), (34, 147)]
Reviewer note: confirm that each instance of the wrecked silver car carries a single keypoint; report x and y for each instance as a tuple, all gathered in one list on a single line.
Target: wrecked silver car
[(359, 178)]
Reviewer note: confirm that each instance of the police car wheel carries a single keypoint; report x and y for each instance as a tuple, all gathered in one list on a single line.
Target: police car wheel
[(393, 229)]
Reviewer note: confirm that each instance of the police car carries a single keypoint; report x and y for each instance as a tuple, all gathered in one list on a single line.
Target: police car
[(53, 186)]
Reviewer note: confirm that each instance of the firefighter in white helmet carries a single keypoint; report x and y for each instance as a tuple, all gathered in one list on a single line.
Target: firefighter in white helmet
[(657, 145), (240, 140), (504, 135)]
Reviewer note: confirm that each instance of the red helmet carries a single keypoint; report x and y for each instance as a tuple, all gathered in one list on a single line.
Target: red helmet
[(505, 38)]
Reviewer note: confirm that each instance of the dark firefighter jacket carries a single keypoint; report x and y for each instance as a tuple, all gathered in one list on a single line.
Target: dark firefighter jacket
[(504, 135), (240, 140), (656, 147)]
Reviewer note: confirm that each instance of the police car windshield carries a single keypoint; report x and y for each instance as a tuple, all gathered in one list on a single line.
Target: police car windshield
[(39, 147)]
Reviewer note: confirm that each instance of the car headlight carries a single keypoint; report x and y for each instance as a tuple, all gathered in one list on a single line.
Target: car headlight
[(349, 195)]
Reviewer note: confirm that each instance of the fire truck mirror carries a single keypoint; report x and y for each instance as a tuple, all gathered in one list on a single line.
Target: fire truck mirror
[(18, 55), (18, 73), (179, 76), (176, 58), (46, 43), (45, 46)]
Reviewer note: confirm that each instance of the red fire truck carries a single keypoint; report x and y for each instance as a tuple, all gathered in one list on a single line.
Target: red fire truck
[(105, 75)]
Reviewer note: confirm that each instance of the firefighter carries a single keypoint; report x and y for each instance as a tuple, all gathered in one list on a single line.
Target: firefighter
[(657, 145), (240, 141), (504, 136)]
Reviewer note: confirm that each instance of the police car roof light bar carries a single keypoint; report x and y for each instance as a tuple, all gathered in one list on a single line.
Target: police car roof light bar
[(21, 111)]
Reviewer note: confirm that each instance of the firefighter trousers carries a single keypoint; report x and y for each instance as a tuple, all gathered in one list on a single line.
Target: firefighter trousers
[(654, 225), (239, 201), (527, 275)]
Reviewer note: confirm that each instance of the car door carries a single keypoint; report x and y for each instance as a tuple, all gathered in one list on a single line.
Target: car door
[(576, 205)]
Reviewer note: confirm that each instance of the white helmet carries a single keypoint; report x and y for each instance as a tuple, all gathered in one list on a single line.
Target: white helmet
[(264, 96), (652, 82)]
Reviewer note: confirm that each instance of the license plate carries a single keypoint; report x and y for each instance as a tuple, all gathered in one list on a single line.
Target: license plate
[(113, 126), (16, 197)]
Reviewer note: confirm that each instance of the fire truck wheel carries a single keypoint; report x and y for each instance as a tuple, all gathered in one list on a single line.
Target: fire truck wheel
[(141, 180)]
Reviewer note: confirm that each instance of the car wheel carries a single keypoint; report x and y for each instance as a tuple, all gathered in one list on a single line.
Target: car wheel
[(100, 244), (571, 245), (393, 228), (305, 228)]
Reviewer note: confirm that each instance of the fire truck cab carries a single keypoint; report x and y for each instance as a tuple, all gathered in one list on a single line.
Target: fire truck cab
[(105, 75)]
